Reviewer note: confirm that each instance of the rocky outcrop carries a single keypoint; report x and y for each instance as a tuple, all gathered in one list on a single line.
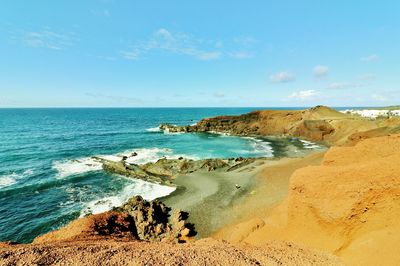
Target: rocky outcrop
[(320, 124), (153, 222), (165, 170), (135, 220)]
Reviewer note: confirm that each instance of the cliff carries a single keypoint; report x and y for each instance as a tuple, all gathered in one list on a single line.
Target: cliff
[(320, 123)]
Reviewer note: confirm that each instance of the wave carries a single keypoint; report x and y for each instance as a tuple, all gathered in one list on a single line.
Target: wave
[(309, 145), (13, 178), (220, 133), (146, 155), (137, 156), (76, 166), (7, 180), (167, 132), (262, 147), (148, 191), (154, 129)]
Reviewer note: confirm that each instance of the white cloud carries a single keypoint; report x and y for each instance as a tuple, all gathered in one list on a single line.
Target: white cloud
[(320, 71), (183, 44), (343, 85), (367, 77), (101, 12), (282, 77), (48, 39), (379, 97), (245, 40), (131, 55), (178, 43), (370, 58), (113, 98), (219, 95), (241, 54), (304, 95)]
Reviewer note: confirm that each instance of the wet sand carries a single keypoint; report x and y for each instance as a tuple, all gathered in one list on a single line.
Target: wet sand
[(214, 202), (209, 196)]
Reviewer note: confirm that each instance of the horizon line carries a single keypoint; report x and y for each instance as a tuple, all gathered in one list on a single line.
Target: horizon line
[(177, 107)]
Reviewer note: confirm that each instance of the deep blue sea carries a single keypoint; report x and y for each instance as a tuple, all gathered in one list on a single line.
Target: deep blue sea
[(47, 175)]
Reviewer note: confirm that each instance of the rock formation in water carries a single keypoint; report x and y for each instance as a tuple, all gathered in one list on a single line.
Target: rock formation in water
[(164, 170), (137, 219), (319, 123)]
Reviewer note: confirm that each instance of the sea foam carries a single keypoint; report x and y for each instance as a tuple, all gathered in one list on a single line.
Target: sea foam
[(7, 180), (309, 145), (261, 147), (154, 129), (148, 191), (76, 166), (13, 178), (137, 156)]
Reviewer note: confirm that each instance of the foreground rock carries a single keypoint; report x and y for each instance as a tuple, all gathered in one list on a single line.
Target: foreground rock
[(317, 124), (165, 170), (203, 252), (349, 205), (135, 220)]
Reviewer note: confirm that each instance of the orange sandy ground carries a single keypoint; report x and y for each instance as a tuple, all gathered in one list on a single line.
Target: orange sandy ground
[(349, 205)]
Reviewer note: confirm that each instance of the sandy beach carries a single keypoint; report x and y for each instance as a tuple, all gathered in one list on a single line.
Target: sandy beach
[(209, 197), (214, 202)]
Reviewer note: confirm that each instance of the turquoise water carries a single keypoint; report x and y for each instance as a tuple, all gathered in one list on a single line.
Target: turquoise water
[(47, 176)]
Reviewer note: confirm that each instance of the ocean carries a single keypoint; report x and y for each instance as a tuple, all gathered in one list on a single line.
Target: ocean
[(48, 178)]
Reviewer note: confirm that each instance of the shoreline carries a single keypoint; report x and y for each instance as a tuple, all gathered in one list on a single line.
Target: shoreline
[(273, 187), (214, 202), (205, 195)]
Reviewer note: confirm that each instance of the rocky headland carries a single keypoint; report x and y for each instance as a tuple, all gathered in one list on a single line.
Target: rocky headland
[(320, 123)]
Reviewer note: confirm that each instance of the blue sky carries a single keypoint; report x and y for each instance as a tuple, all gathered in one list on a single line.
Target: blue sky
[(114, 53)]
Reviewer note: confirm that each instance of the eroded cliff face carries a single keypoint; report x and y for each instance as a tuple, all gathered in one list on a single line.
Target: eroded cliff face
[(319, 123), (349, 205)]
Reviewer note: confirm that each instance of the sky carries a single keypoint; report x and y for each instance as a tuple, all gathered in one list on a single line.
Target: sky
[(126, 53)]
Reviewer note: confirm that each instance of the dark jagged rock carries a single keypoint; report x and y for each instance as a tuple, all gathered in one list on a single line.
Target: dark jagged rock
[(165, 170), (153, 221), (137, 219)]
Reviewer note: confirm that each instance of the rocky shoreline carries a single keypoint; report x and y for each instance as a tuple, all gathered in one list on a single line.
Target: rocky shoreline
[(164, 170), (319, 124)]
